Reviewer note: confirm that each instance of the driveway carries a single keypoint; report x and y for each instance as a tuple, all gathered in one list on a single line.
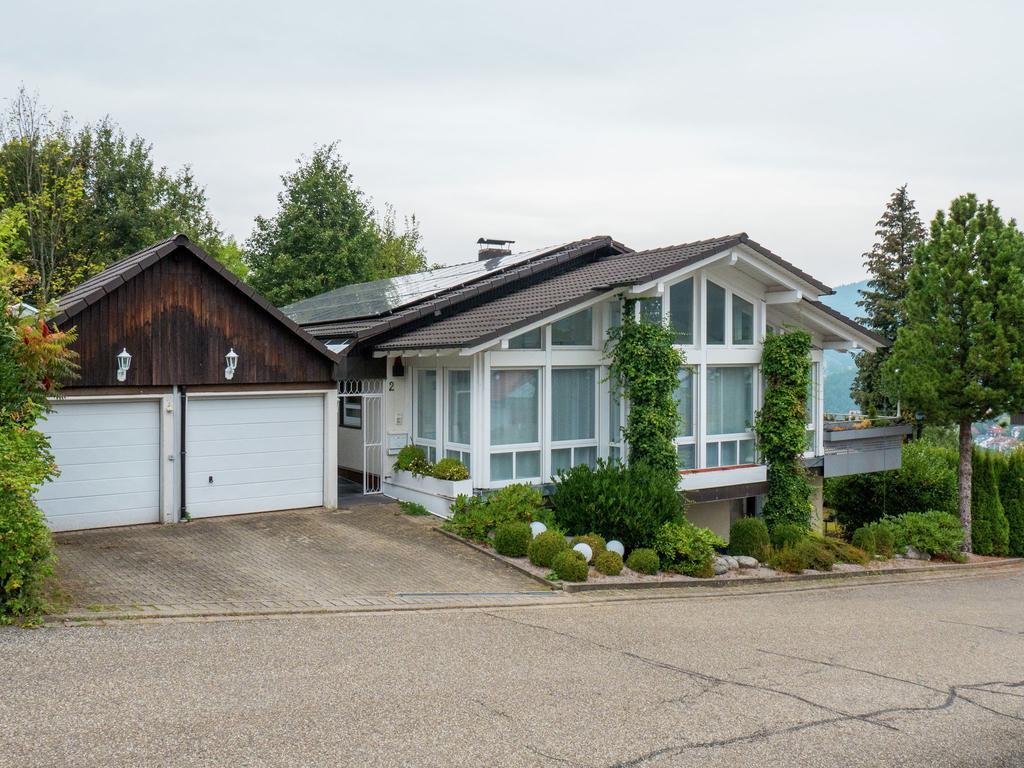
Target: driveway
[(368, 553), (923, 674)]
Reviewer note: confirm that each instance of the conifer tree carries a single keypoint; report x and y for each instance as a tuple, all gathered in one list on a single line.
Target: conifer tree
[(899, 232), (989, 528), (1011, 494)]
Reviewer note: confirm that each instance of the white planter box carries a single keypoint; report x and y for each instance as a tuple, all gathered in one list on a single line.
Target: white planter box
[(436, 495)]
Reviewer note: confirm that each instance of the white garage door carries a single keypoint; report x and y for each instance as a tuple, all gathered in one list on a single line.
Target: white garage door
[(109, 458), (254, 454)]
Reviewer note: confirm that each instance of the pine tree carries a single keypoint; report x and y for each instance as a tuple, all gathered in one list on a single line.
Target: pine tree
[(960, 355), (899, 232), (1011, 493)]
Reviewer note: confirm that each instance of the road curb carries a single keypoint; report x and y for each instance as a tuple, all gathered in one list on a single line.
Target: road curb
[(552, 585)]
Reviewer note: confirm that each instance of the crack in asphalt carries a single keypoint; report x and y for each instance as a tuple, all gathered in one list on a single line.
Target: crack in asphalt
[(1001, 630), (952, 694)]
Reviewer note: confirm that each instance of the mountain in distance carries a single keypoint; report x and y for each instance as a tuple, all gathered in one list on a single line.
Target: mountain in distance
[(841, 367)]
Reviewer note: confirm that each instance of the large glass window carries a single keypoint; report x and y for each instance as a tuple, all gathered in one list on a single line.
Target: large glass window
[(685, 441), (680, 308), (811, 412), (742, 321), (529, 340), (650, 311), (730, 400), (426, 411), (715, 313), (574, 331), (515, 406), (572, 403), (458, 436)]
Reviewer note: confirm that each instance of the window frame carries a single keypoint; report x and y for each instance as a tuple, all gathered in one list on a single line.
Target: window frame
[(343, 417), (577, 443), (431, 446), (734, 438), (515, 448), (550, 331), (685, 440), (451, 448)]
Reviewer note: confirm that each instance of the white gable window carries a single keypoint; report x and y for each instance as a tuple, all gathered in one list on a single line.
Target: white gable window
[(730, 417), (573, 418), (530, 340), (715, 313), (426, 412), (515, 424), (680, 310), (457, 440), (650, 311), (811, 412), (742, 321), (574, 331), (686, 444)]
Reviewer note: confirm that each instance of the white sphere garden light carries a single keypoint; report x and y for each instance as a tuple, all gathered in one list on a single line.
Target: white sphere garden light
[(616, 546), (585, 550), (537, 528)]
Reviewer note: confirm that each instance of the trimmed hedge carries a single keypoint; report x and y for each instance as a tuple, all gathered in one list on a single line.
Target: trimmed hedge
[(749, 536), (513, 539), (608, 563), (570, 566), (542, 550), (644, 560), (592, 540)]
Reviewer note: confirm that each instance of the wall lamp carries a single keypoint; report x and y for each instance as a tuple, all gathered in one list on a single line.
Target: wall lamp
[(124, 362), (231, 358)]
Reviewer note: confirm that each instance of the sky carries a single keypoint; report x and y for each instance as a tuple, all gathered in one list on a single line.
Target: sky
[(543, 122)]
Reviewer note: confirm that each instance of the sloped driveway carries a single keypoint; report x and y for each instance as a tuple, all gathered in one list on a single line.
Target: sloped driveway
[(368, 554)]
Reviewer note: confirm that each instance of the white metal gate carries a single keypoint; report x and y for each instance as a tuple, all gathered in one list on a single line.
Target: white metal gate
[(371, 392)]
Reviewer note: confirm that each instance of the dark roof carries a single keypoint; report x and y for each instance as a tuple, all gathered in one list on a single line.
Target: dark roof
[(881, 340), (380, 297), (120, 272), (518, 308)]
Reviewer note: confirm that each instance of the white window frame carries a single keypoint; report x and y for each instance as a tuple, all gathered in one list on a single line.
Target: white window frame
[(354, 403), (462, 451), (678, 440), (755, 302), (734, 437), (593, 442), (548, 336), (431, 446), (813, 424), (666, 309), (517, 448)]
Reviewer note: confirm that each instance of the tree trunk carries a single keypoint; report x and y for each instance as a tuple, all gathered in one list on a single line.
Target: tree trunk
[(966, 449)]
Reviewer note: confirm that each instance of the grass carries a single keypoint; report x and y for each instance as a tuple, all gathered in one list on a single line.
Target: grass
[(413, 509)]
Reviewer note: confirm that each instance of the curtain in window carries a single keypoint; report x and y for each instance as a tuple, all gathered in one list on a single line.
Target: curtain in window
[(458, 407), (684, 402), (514, 406), (680, 306), (426, 404), (730, 400), (573, 394)]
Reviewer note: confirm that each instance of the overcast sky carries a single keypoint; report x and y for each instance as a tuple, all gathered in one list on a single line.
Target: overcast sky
[(654, 122)]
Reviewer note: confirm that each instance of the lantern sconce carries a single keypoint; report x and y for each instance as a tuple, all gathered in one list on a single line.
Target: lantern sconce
[(124, 362), (231, 358)]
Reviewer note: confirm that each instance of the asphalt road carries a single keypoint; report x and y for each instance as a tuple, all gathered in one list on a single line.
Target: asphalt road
[(927, 673)]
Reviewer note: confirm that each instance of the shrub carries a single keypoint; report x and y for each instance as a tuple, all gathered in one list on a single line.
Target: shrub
[(413, 509), (628, 503), (470, 518), (593, 540), (685, 548), (570, 566), (608, 563), (643, 561), (927, 480), (749, 536), (542, 550), (788, 534), (519, 501), (787, 560), (808, 552), (990, 531), (512, 539), (412, 459), (885, 541), (1011, 493), (937, 533), (450, 469), (26, 559), (864, 537), (842, 552)]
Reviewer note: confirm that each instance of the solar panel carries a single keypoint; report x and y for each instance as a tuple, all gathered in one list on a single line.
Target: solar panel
[(380, 296)]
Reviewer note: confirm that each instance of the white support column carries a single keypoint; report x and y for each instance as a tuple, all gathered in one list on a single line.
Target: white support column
[(169, 453), (331, 449)]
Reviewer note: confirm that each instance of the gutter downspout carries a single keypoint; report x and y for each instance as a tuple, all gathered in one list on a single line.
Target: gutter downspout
[(183, 515)]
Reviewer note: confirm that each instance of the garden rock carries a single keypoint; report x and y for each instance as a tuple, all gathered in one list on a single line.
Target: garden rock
[(732, 562), (720, 566), (746, 562), (915, 554)]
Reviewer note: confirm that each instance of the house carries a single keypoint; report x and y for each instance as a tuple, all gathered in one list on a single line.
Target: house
[(196, 397), (500, 363)]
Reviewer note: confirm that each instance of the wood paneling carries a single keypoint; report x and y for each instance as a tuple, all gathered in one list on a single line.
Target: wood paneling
[(178, 319)]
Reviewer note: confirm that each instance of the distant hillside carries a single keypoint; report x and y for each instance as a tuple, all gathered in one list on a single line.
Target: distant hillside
[(840, 367)]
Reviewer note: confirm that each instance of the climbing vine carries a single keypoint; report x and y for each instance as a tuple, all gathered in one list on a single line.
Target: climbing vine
[(644, 370), (781, 423)]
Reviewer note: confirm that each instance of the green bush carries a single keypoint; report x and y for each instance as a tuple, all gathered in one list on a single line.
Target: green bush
[(413, 509), (608, 563), (412, 459), (843, 552), (864, 537), (450, 469), (26, 559), (937, 533), (519, 501), (787, 560), (749, 536), (512, 539), (643, 561), (926, 481), (990, 530), (684, 548), (593, 540), (542, 550), (570, 566), (812, 552), (628, 503), (1011, 493), (470, 518), (885, 540), (788, 534)]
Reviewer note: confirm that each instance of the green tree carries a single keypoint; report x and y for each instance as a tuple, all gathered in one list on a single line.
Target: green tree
[(325, 235), (899, 232), (780, 426), (1011, 494), (990, 531), (960, 356)]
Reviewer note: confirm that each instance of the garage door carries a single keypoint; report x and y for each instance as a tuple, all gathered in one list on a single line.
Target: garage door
[(109, 457), (254, 454)]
